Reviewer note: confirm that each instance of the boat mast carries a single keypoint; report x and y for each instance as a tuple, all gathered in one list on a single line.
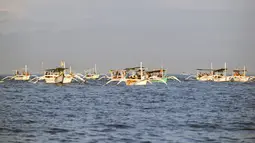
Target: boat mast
[(211, 69), (244, 72), (162, 69), (25, 68), (95, 69), (225, 69), (42, 68), (141, 69), (64, 63)]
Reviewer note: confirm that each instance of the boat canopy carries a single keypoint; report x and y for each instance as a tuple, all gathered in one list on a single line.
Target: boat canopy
[(205, 69), (214, 70), (115, 70), (57, 69), (156, 71), (237, 70), (220, 70), (134, 68)]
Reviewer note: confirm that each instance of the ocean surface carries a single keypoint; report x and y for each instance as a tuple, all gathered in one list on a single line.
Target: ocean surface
[(186, 112)]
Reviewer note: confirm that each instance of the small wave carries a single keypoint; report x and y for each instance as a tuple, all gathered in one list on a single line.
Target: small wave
[(251, 138), (248, 129), (118, 126), (145, 142), (126, 140), (56, 130), (70, 116), (14, 130), (229, 138), (207, 139), (204, 126), (25, 121)]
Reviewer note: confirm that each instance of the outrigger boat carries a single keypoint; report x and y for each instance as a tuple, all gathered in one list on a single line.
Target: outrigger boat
[(23, 75), (131, 76), (159, 75), (239, 75), (58, 75), (115, 76), (54, 75), (204, 75), (138, 76), (216, 75), (92, 73), (220, 75)]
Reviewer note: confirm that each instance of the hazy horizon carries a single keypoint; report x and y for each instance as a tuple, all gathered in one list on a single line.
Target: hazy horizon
[(180, 35)]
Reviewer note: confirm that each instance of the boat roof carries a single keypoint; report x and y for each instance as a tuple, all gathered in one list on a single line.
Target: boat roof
[(205, 69), (214, 70), (155, 71), (133, 68), (56, 69), (220, 70), (116, 70), (237, 70)]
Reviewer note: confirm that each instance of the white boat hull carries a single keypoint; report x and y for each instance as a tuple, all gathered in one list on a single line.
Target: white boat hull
[(136, 82), (96, 76), (221, 79), (68, 79), (239, 79), (22, 77), (144, 82), (205, 78), (54, 79)]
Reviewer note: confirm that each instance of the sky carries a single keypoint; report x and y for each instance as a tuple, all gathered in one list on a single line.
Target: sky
[(180, 35)]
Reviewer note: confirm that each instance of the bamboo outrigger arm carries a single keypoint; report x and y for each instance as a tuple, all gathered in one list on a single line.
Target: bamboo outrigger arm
[(174, 78), (36, 79), (10, 77), (190, 76), (104, 76), (78, 78)]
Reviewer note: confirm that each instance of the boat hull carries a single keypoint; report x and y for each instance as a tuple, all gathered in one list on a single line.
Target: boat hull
[(96, 76), (54, 79), (205, 78), (239, 79), (22, 77), (221, 79), (136, 82), (68, 79)]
